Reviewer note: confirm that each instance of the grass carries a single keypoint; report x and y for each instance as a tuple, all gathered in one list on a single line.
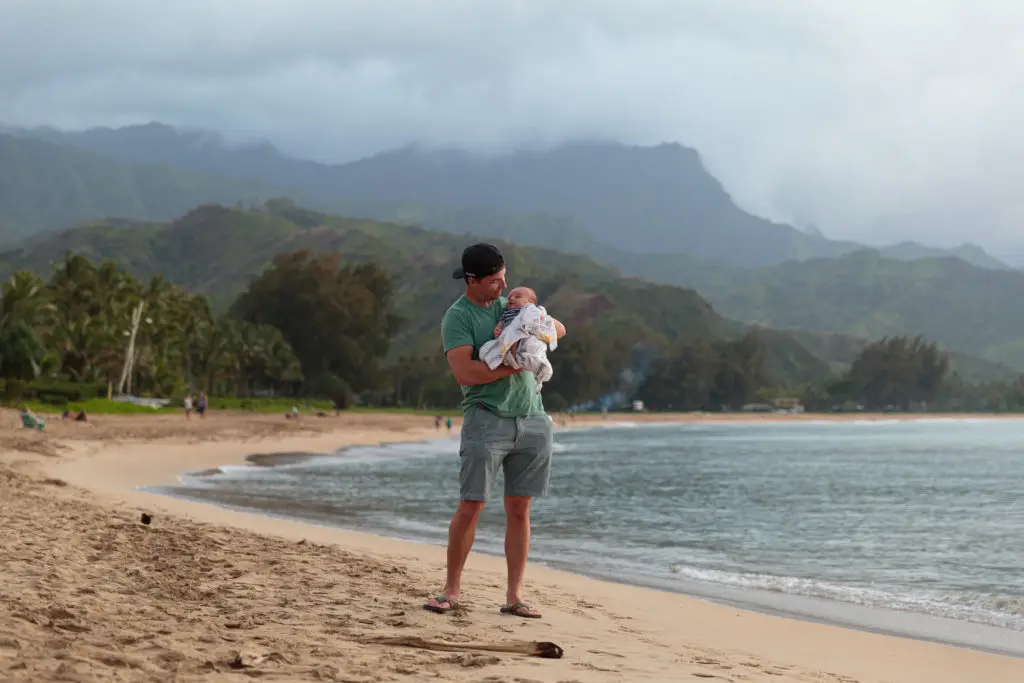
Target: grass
[(268, 405), (101, 406), (376, 410)]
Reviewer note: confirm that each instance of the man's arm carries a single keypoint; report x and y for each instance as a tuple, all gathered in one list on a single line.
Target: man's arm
[(469, 372)]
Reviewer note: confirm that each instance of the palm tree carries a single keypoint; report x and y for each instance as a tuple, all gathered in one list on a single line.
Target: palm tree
[(77, 306), (24, 309)]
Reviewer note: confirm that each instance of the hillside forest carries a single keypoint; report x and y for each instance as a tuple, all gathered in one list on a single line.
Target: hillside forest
[(318, 322)]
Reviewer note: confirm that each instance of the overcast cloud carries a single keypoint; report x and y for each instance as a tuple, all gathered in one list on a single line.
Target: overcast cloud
[(876, 120)]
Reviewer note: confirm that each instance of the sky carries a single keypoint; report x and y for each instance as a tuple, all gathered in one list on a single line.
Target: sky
[(873, 120)]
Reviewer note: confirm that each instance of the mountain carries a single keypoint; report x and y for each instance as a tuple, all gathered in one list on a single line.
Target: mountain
[(215, 250), (640, 199), (971, 253), (765, 296), (963, 307), (45, 186), (942, 297)]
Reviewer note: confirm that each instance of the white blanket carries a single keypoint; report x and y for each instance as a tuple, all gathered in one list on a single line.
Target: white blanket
[(535, 331)]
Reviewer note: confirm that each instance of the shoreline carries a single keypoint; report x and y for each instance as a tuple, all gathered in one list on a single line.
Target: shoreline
[(892, 622), (610, 631)]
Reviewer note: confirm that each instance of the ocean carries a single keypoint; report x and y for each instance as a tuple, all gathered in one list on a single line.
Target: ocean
[(908, 527)]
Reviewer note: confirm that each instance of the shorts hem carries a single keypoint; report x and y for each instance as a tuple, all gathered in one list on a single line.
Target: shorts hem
[(524, 494)]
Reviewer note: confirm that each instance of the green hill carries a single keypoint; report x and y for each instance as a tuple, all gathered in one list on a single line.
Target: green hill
[(965, 308), (862, 296), (215, 250), (45, 186)]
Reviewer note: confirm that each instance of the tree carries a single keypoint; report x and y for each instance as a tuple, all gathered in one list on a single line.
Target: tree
[(898, 372), (740, 371), (336, 318), (78, 327), (23, 311), (583, 368), (700, 374)]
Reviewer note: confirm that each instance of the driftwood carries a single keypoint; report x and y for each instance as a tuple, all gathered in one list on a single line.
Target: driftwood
[(530, 648)]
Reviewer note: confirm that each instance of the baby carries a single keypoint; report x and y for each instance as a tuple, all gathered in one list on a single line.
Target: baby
[(522, 343), (517, 298)]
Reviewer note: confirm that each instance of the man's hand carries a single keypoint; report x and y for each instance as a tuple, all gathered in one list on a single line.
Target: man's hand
[(469, 372), (559, 329)]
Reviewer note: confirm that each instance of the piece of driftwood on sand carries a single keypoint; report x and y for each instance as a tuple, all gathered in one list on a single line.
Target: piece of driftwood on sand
[(530, 648)]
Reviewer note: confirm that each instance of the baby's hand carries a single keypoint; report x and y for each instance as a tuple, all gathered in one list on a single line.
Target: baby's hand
[(497, 330)]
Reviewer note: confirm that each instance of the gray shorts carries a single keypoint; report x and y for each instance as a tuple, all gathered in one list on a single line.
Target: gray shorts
[(521, 446)]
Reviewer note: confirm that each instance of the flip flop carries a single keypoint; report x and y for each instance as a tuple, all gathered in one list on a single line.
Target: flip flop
[(521, 609), (452, 605)]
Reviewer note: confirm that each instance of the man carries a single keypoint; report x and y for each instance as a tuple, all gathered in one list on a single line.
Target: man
[(505, 427)]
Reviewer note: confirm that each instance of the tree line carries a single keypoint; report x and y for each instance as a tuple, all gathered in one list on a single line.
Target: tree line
[(308, 324), (894, 373), (898, 373), (312, 325)]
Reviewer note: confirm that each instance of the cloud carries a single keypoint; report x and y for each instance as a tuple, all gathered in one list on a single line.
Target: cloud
[(873, 120)]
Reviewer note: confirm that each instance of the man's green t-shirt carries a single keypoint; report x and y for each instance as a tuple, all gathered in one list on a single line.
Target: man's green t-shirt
[(467, 324)]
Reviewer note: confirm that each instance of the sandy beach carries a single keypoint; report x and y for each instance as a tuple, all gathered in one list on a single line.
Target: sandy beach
[(203, 593)]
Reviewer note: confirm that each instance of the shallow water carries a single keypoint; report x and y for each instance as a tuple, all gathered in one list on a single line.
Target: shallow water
[(925, 517)]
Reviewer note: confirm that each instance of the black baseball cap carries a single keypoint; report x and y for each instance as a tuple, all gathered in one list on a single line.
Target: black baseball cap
[(479, 261)]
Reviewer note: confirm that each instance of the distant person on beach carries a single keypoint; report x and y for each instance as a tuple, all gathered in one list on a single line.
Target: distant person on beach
[(437, 422), (188, 407), (448, 422), (201, 405), (505, 427)]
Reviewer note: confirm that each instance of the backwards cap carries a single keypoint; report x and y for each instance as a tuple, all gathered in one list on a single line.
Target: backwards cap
[(479, 261)]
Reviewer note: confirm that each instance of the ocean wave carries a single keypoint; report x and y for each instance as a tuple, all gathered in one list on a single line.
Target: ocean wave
[(1001, 611), (213, 476)]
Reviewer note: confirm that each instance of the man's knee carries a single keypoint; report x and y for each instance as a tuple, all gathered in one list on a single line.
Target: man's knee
[(469, 511), (517, 508)]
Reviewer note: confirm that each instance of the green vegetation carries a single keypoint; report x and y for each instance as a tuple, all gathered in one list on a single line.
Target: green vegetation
[(289, 302), (577, 197), (706, 375), (581, 199), (44, 186), (962, 307), (337, 319), (215, 251), (895, 373), (66, 339), (93, 406), (864, 295), (103, 406)]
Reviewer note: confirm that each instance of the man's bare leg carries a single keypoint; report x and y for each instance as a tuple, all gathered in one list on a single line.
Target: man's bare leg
[(517, 545), (461, 534)]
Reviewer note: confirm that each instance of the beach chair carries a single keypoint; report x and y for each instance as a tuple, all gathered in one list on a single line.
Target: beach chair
[(29, 421)]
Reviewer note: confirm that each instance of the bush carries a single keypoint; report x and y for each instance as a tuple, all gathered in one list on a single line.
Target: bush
[(555, 403), (329, 386), (14, 389), (48, 391)]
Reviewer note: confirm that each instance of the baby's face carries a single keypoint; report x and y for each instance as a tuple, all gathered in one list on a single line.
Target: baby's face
[(521, 296)]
